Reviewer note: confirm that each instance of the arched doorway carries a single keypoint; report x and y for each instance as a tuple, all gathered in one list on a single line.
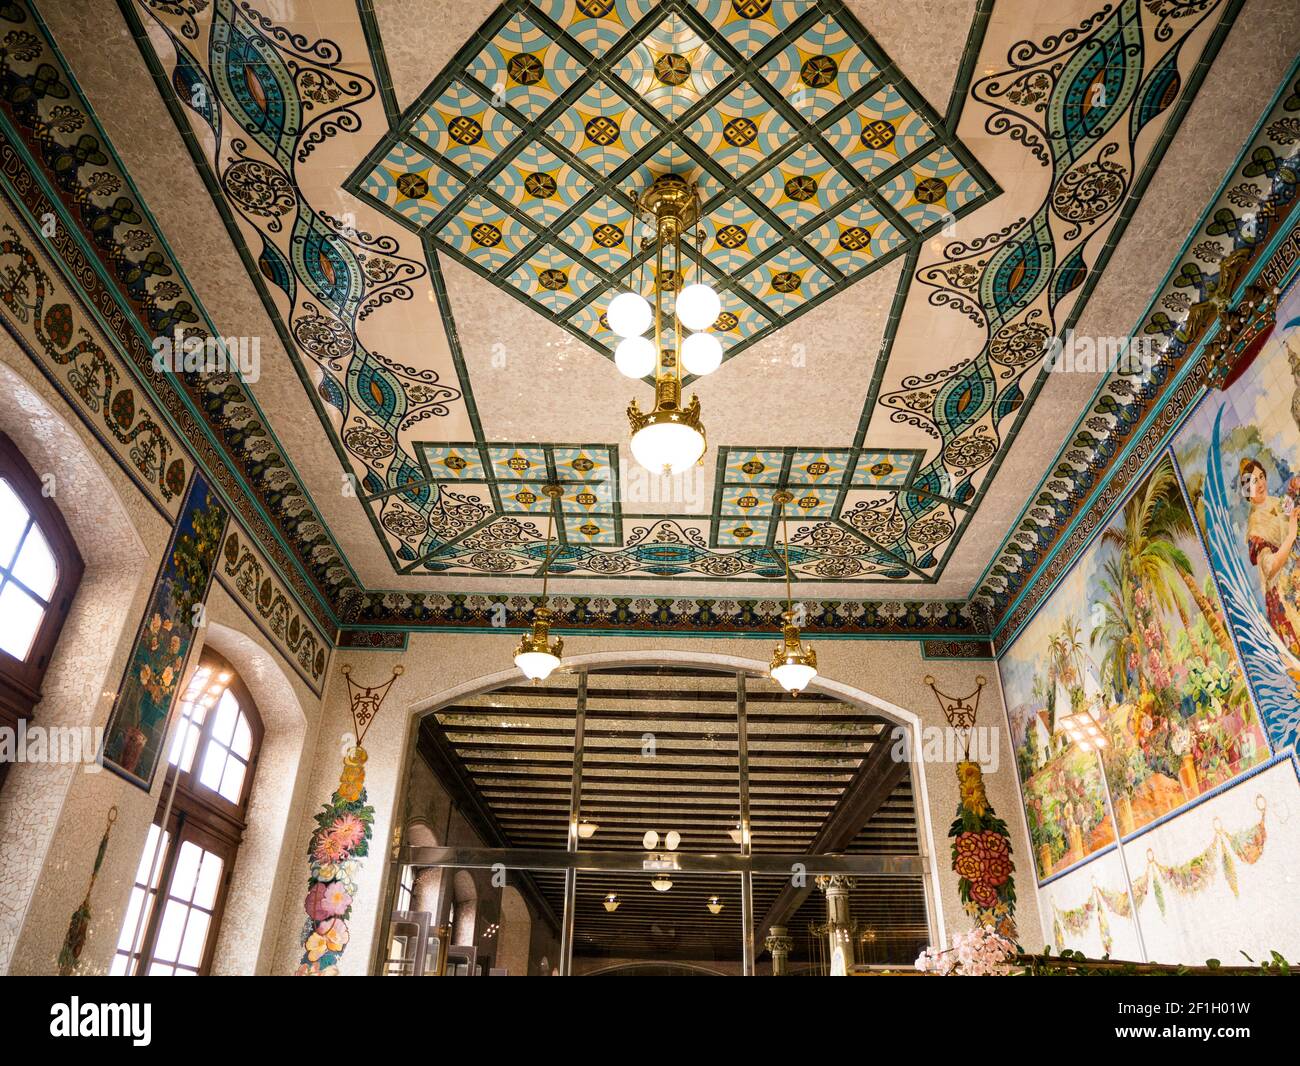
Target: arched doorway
[(733, 777)]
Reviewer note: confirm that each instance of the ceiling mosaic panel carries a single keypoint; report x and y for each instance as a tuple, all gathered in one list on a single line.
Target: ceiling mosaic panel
[(816, 161)]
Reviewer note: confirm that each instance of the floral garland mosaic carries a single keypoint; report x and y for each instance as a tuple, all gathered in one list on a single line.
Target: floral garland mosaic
[(981, 843), (340, 841), (1187, 878), (981, 856)]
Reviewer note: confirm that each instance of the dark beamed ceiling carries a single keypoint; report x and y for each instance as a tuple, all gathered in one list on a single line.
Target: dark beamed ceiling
[(661, 752)]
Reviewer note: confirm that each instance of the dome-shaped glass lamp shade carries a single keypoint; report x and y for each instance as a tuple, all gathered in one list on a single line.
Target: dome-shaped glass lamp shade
[(630, 314), (793, 676), (793, 666), (536, 656), (536, 665), (701, 354), (635, 356), (667, 447), (698, 306)]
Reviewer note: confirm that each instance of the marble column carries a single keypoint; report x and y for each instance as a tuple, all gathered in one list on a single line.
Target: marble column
[(779, 943), (839, 922)]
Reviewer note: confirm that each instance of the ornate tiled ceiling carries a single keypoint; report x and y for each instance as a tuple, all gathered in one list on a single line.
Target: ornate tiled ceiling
[(816, 161), (382, 309)]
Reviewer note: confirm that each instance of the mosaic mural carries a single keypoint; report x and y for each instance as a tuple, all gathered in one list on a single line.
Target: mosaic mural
[(1240, 456), (1106, 451), (1217, 874), (1136, 638), (529, 140), (136, 727)]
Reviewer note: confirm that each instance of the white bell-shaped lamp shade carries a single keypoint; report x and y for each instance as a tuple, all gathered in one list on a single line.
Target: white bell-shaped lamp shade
[(661, 884), (650, 840), (635, 356), (673, 839), (701, 353), (698, 307), (793, 677), (630, 314), (587, 830), (536, 665), (667, 447)]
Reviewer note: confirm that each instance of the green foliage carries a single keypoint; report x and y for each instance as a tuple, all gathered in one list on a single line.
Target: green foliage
[(1070, 963)]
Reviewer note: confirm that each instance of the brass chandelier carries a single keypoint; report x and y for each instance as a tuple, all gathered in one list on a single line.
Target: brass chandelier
[(536, 656), (793, 666), (669, 438)]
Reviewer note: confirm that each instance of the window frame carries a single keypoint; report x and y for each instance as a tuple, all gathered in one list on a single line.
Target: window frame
[(201, 803), (21, 679), (202, 816)]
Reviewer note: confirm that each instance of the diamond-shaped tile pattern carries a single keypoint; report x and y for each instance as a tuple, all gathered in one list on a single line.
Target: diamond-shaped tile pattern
[(825, 483), (587, 510), (814, 159)]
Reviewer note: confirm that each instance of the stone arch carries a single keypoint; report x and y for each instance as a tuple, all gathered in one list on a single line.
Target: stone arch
[(245, 941), (111, 529), (516, 933), (464, 897)]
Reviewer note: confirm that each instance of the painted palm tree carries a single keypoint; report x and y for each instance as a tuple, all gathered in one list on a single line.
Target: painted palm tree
[(1117, 632), (1152, 521)]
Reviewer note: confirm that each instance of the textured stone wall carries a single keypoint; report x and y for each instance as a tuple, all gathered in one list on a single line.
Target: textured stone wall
[(53, 815)]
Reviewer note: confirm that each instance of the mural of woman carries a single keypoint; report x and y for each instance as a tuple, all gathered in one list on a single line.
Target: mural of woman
[(1271, 536)]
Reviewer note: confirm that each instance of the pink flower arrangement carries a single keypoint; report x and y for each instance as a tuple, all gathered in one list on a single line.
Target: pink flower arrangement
[(979, 952), (327, 899), (348, 830)]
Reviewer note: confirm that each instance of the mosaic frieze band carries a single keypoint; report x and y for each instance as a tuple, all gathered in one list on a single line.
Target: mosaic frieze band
[(44, 312), (1252, 207)]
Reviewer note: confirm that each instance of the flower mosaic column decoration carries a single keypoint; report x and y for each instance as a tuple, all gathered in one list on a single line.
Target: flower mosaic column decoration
[(340, 840), (981, 844)]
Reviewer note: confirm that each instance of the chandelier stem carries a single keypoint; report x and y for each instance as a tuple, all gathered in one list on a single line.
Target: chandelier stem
[(552, 493), (785, 535), (680, 275), (659, 300)]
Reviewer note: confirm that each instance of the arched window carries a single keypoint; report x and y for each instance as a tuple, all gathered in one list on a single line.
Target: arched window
[(190, 853), (40, 568)]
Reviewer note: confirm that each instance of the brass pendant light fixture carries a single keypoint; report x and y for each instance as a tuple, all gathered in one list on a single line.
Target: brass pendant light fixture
[(669, 438), (793, 666), (536, 656)]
